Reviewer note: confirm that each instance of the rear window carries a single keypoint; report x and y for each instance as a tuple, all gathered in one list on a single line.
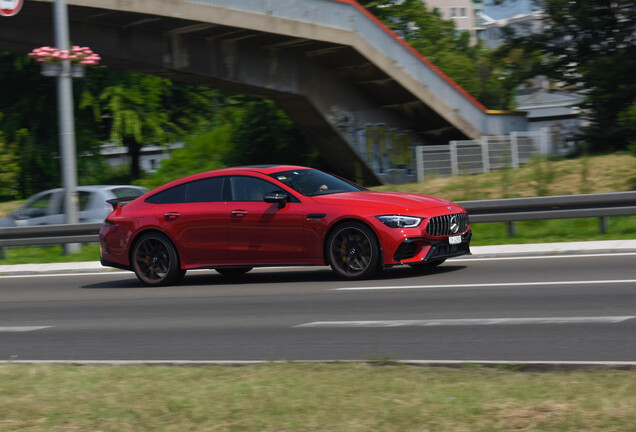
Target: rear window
[(127, 192), (174, 195)]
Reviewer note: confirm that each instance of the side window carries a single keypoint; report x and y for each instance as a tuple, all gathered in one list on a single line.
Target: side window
[(206, 190), (37, 208), (83, 200), (174, 195), (245, 188)]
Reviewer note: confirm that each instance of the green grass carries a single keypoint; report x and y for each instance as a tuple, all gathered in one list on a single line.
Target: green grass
[(557, 230), (48, 254), (313, 397)]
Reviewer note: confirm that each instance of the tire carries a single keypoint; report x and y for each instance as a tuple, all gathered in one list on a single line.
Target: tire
[(155, 260), (233, 271), (427, 265), (353, 251)]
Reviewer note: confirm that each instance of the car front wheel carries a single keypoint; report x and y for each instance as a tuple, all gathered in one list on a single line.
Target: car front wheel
[(353, 251), (155, 260)]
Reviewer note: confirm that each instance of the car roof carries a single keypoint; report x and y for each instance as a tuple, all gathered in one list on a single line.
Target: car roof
[(261, 169)]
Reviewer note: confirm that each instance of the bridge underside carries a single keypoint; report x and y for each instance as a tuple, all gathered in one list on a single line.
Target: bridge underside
[(338, 98)]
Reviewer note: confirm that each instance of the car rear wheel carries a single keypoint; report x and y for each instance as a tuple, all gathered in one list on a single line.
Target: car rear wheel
[(233, 271), (353, 251), (155, 260)]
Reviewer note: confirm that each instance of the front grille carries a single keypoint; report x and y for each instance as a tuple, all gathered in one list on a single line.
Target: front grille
[(441, 225)]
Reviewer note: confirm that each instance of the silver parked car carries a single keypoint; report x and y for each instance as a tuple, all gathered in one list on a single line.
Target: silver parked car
[(46, 208)]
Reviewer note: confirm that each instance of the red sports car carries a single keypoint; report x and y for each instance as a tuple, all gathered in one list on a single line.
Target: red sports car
[(235, 219)]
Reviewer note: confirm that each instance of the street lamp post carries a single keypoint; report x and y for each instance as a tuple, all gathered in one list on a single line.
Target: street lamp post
[(66, 121)]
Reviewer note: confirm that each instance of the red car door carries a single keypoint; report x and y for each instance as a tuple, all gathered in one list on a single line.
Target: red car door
[(261, 233), (195, 216)]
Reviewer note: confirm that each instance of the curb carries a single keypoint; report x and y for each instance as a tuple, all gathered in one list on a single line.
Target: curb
[(515, 366)]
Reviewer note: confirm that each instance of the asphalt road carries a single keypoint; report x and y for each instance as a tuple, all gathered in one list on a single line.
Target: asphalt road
[(559, 308)]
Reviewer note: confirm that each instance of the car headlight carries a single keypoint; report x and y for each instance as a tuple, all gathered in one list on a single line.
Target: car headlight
[(396, 221)]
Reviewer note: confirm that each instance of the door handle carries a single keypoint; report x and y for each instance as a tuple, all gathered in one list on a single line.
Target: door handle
[(171, 215), (239, 213)]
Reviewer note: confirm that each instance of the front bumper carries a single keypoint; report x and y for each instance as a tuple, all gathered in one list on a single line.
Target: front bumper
[(420, 250)]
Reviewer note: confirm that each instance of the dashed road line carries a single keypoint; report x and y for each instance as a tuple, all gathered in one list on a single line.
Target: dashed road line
[(18, 329), (469, 322)]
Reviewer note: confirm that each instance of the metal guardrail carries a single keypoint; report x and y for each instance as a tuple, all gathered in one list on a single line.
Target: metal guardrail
[(512, 210), (50, 234), (551, 207), (499, 210)]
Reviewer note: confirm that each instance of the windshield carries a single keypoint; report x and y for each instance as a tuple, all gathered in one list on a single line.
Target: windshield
[(311, 182)]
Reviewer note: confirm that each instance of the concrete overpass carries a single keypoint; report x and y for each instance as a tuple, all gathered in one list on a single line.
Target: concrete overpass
[(352, 86)]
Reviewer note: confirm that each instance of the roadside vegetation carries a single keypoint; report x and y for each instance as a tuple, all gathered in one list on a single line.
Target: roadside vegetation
[(313, 397)]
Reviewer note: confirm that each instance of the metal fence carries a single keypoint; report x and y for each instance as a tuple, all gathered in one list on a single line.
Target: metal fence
[(480, 156)]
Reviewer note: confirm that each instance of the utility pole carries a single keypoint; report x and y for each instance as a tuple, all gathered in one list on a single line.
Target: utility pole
[(66, 121)]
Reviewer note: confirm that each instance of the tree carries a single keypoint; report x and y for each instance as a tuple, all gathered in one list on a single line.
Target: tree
[(264, 134), (627, 119), (132, 106), (200, 153), (30, 123), (590, 46), (471, 66), (137, 110), (9, 168)]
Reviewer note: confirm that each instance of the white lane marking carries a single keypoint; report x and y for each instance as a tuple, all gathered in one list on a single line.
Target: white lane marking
[(47, 275), (486, 285), (535, 257), (108, 272), (16, 329), (470, 322)]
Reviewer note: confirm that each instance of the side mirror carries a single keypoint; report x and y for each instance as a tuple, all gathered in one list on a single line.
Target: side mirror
[(279, 197)]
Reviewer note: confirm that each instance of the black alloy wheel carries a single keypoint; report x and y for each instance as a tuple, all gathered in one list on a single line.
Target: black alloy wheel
[(155, 260), (353, 251)]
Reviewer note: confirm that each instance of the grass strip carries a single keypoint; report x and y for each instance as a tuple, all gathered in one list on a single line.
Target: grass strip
[(313, 397)]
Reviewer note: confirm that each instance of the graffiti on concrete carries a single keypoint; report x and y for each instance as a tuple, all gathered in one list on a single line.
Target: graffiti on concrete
[(383, 148), (387, 149)]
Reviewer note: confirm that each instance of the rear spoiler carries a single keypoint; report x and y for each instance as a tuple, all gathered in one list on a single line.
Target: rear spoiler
[(120, 201)]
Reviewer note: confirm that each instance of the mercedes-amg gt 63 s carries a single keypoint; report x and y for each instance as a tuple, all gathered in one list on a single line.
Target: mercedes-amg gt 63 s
[(234, 219)]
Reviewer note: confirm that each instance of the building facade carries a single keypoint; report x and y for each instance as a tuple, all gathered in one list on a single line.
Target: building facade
[(464, 13)]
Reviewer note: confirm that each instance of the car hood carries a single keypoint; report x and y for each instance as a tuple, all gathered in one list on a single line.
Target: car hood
[(385, 201)]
